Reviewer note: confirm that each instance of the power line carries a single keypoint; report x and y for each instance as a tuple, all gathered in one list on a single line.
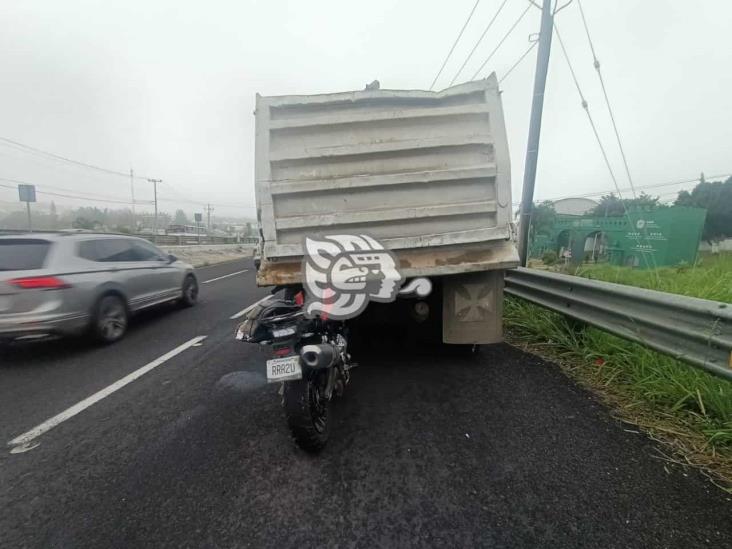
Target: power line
[(515, 24), (76, 197), (189, 200), (54, 187), (596, 64), (488, 26), (516, 64), (203, 203), (640, 187), (127, 175), (599, 143), (28, 148), (107, 199), (470, 16)]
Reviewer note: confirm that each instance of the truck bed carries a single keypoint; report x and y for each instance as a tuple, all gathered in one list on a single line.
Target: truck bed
[(425, 173)]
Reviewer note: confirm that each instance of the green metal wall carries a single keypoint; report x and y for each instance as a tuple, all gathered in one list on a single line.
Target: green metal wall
[(645, 238)]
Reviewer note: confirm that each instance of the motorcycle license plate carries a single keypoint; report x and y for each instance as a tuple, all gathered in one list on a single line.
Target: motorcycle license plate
[(284, 369)]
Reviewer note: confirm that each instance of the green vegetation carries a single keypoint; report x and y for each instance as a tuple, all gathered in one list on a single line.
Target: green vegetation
[(612, 206), (681, 405), (549, 257), (543, 218), (709, 278), (716, 197)]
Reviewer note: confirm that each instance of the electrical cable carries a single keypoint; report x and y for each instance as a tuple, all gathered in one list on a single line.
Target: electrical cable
[(640, 187), (602, 147), (40, 152), (75, 197), (190, 200), (470, 16), (487, 28), (28, 148), (101, 197), (500, 43), (596, 64), (516, 64)]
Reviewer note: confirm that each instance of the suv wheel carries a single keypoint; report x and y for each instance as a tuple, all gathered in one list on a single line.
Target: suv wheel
[(110, 319), (190, 291)]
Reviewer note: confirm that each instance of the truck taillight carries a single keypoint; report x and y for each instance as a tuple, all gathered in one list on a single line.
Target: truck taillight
[(39, 283)]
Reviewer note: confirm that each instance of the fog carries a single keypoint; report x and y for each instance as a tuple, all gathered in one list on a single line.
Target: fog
[(167, 88)]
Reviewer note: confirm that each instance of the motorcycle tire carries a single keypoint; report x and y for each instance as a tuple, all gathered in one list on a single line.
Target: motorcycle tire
[(307, 414)]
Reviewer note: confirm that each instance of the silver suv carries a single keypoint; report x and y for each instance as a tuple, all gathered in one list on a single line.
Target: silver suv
[(68, 283)]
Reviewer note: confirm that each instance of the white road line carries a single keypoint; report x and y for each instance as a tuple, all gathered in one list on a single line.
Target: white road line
[(225, 276), (245, 311), (49, 424), (222, 263)]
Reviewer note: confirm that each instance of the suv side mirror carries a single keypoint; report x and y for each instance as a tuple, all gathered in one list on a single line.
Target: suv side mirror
[(172, 258)]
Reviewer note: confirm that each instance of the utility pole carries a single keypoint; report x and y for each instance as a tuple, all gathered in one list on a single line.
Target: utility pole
[(537, 106), (155, 193), (209, 209), (132, 191), (198, 217)]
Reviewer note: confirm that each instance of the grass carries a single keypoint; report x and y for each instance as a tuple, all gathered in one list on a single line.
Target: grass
[(709, 278), (683, 407)]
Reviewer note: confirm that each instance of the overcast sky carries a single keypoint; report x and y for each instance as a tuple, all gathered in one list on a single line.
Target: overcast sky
[(167, 87)]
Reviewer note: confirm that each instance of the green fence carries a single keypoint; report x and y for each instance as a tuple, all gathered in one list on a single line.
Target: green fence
[(643, 238)]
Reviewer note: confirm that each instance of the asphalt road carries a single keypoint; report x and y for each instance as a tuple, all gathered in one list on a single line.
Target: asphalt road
[(429, 448)]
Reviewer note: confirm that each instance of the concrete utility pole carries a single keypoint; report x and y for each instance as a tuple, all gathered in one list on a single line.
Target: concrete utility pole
[(209, 209), (537, 107), (155, 193), (132, 191)]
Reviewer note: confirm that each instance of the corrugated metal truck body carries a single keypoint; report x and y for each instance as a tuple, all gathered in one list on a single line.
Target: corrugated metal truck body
[(425, 173)]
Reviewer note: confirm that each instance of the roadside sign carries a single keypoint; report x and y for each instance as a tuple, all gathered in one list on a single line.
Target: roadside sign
[(27, 193), (198, 217)]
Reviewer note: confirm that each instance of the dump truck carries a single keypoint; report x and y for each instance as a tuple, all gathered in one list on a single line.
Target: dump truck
[(426, 174)]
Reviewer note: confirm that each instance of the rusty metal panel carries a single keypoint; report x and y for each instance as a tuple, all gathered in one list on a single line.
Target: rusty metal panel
[(414, 169), (435, 261), (472, 308)]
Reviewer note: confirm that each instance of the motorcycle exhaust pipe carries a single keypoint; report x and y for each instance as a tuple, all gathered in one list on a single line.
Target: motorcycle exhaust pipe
[(318, 356)]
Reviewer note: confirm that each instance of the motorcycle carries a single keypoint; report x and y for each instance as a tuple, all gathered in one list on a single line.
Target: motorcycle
[(310, 358)]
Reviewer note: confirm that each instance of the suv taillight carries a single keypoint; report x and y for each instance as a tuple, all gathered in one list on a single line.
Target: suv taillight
[(39, 283)]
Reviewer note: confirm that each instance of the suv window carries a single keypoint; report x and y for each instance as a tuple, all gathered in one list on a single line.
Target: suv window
[(144, 251), (23, 254), (107, 250)]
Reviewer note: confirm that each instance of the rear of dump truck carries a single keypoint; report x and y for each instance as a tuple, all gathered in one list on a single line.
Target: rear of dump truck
[(427, 174)]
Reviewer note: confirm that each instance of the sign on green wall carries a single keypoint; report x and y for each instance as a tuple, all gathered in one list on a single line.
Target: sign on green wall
[(642, 238)]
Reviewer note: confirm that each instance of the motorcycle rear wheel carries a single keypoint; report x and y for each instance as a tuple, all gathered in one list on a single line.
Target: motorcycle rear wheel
[(307, 413)]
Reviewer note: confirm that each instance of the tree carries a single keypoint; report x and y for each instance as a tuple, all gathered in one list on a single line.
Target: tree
[(19, 220), (542, 219), (84, 223), (180, 218), (716, 198), (612, 206)]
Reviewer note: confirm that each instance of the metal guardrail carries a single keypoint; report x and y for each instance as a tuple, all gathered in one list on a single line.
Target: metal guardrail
[(695, 331), (180, 240), (161, 239)]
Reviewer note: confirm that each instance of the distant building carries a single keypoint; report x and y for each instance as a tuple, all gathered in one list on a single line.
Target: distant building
[(574, 206)]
